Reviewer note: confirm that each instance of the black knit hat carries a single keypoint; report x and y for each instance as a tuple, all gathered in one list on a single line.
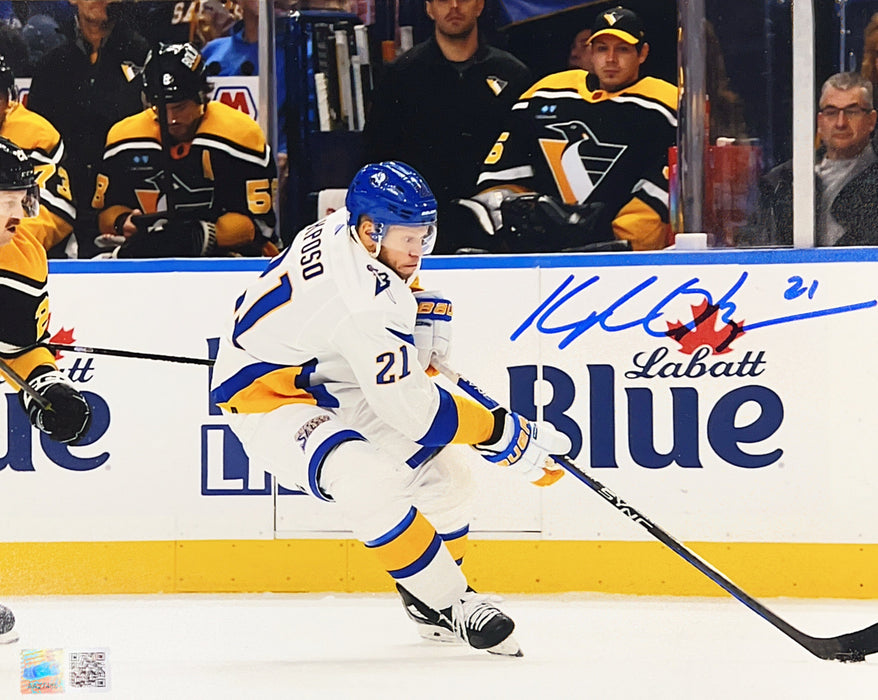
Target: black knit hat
[(619, 22)]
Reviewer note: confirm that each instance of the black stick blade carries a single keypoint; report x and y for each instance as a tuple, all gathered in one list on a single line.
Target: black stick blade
[(855, 646)]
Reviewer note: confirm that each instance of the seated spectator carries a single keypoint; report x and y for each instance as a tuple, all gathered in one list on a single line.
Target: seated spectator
[(42, 142), (83, 87), (591, 149), (580, 51), (223, 175), (846, 176)]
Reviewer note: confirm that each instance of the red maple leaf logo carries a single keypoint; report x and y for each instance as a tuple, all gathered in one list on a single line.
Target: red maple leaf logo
[(62, 337), (705, 331)]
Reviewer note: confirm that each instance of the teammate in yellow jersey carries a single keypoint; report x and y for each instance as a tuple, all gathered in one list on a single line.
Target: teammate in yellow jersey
[(323, 376), (60, 411), (42, 142), (217, 168), (592, 146)]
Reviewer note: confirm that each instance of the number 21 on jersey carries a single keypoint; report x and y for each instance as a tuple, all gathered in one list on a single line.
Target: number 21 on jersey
[(391, 363)]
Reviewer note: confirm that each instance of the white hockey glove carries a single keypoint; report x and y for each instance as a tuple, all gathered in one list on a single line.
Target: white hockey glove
[(108, 241), (432, 328), (485, 206), (524, 447)]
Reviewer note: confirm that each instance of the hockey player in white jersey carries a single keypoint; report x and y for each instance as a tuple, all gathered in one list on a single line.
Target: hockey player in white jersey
[(323, 375)]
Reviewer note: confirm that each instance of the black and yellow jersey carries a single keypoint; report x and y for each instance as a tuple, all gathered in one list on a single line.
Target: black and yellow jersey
[(24, 304), (227, 169), (42, 142), (583, 145)]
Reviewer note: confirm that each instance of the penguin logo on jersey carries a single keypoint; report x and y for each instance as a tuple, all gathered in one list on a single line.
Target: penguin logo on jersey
[(496, 84), (578, 161), (191, 198)]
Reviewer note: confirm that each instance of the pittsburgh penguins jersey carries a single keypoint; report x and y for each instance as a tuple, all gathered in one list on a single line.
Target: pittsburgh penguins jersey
[(24, 304), (327, 324), (42, 142), (584, 145), (227, 167)]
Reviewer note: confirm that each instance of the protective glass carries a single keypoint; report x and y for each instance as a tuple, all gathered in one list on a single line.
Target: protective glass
[(20, 204), (416, 240)]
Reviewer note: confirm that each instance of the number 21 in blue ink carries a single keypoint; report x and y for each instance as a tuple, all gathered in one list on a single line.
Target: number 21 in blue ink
[(797, 288)]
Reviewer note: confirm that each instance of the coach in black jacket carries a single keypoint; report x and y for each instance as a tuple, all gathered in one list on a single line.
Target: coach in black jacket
[(439, 108), (83, 87)]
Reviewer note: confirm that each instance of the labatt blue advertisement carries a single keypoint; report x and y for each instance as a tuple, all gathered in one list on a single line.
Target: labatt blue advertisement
[(731, 391)]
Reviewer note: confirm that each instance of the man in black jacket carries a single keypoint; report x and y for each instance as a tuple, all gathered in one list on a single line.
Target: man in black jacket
[(846, 177), (85, 86), (439, 107)]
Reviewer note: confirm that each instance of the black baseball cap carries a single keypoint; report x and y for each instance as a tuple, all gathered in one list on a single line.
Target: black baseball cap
[(619, 22)]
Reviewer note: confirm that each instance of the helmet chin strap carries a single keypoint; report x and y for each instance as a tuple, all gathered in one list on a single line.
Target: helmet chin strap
[(374, 254), (356, 236)]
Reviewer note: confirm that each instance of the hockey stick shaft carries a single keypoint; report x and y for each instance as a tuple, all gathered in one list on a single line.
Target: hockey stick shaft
[(25, 387), (59, 347), (848, 647)]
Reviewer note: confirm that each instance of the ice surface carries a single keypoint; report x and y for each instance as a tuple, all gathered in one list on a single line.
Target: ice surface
[(262, 647)]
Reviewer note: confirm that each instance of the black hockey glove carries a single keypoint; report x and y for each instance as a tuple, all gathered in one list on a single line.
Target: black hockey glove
[(535, 223), (68, 417), (158, 236)]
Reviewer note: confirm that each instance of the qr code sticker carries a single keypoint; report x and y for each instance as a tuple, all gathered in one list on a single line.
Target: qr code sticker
[(88, 670)]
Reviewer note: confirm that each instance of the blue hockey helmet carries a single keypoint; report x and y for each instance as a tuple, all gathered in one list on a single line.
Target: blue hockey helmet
[(392, 194)]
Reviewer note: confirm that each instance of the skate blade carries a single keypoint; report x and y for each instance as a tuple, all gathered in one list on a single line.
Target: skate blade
[(508, 647), (438, 636)]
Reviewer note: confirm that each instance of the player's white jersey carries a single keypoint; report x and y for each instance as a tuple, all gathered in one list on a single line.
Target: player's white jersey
[(327, 324)]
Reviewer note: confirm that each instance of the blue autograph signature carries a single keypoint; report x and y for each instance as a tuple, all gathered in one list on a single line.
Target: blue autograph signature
[(541, 317)]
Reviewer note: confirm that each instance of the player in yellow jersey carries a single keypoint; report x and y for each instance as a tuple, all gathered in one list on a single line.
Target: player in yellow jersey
[(42, 142), (592, 146), (208, 191), (51, 402)]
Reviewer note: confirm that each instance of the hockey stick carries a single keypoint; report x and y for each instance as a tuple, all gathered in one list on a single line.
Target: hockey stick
[(846, 647), (25, 387), (60, 347)]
